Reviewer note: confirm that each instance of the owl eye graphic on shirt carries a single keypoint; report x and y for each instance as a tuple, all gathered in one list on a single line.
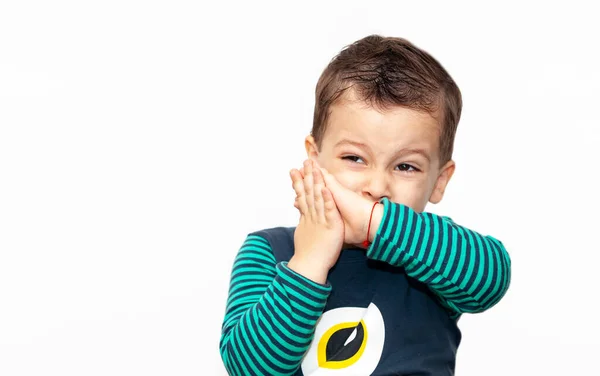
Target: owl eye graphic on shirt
[(342, 345), (348, 340)]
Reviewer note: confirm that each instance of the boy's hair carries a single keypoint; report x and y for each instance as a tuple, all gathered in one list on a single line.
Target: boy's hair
[(387, 72)]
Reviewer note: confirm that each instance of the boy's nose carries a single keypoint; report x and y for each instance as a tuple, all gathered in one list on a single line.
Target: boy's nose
[(376, 187)]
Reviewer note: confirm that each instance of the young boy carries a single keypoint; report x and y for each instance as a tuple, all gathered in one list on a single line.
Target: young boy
[(367, 283)]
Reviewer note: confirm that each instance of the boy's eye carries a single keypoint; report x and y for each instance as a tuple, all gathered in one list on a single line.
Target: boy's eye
[(401, 167), (406, 167), (353, 158)]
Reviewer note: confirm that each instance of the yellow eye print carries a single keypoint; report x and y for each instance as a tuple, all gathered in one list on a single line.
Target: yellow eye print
[(330, 353), (347, 341)]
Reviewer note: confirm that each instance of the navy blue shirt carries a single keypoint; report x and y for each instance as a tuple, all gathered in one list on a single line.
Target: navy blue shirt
[(419, 336)]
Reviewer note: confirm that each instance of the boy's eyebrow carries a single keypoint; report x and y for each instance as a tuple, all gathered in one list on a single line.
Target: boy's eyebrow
[(414, 151), (355, 143), (398, 154)]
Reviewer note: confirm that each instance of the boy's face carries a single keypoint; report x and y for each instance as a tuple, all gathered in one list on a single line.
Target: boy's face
[(392, 153)]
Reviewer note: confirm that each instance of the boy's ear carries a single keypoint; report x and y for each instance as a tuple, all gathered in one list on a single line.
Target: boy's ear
[(444, 177), (311, 147)]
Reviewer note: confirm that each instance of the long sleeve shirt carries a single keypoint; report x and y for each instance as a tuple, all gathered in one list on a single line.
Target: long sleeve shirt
[(391, 308)]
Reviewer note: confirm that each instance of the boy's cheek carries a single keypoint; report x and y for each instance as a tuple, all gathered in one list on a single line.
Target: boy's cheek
[(413, 194), (348, 179)]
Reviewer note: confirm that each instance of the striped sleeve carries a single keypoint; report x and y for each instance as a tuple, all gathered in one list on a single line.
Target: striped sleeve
[(271, 313), (468, 271)]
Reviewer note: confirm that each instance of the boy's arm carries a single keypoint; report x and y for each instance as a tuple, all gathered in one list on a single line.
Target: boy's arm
[(271, 314), (468, 271)]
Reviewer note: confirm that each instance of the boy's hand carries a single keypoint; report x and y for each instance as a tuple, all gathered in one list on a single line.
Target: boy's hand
[(354, 209), (319, 237)]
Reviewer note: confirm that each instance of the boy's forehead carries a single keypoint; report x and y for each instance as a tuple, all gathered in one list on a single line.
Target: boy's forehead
[(362, 119)]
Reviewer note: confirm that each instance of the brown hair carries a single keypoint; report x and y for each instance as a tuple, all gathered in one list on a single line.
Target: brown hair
[(385, 72)]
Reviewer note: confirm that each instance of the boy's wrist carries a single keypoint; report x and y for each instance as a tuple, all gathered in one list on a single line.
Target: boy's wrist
[(376, 219), (310, 269)]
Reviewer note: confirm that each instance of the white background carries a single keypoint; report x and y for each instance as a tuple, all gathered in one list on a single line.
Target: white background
[(140, 141)]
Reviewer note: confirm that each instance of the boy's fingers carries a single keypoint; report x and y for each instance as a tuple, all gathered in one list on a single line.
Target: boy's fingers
[(331, 213), (309, 189), (297, 206), (298, 186), (318, 175), (330, 181), (326, 174), (318, 185)]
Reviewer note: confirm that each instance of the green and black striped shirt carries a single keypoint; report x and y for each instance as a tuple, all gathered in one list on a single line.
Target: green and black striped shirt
[(272, 312)]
